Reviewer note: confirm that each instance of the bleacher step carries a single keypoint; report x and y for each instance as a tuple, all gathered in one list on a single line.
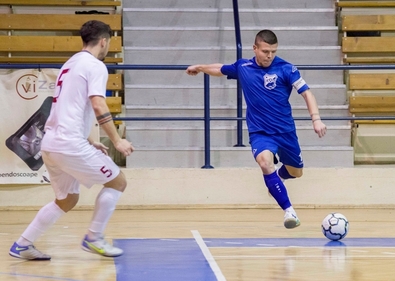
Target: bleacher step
[(226, 136), (213, 17), (321, 55), (193, 157), (267, 4)]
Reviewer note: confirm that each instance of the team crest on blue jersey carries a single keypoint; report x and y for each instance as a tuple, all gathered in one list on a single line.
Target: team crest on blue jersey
[(270, 81)]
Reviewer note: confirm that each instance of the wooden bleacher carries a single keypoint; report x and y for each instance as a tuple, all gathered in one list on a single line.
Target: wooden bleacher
[(368, 37), (368, 49), (372, 94), (39, 47), (365, 4), (53, 38), (371, 91), (115, 83), (89, 3)]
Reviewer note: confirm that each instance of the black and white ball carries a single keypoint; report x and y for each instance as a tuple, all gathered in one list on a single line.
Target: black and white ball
[(335, 226)]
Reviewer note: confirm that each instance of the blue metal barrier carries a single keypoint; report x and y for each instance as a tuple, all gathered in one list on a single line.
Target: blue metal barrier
[(239, 93), (207, 118)]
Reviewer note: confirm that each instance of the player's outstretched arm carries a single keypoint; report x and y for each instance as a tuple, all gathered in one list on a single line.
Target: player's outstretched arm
[(104, 118), (210, 69), (319, 126)]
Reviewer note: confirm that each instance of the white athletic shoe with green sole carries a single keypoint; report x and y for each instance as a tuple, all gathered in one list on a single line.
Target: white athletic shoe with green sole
[(100, 247), (291, 220)]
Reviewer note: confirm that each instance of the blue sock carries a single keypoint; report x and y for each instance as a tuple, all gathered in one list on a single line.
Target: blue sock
[(283, 173), (277, 190)]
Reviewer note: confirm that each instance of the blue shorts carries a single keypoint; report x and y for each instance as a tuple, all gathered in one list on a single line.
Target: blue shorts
[(286, 145)]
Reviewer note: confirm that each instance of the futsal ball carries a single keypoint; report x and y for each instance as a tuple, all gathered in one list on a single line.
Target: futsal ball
[(335, 226)]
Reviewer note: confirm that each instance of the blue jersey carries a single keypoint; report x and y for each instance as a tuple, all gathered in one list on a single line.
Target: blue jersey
[(266, 92)]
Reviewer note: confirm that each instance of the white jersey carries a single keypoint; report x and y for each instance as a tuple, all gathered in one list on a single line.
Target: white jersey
[(70, 121)]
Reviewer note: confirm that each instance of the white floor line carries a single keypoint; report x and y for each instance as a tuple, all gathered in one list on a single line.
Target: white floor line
[(315, 257), (207, 254)]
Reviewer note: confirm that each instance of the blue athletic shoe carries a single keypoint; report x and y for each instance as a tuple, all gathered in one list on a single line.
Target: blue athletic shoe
[(28, 253)]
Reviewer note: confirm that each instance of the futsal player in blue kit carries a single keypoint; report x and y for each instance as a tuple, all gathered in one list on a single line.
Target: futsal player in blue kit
[(267, 83)]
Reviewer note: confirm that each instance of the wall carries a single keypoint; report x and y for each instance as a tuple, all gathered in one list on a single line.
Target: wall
[(367, 186)]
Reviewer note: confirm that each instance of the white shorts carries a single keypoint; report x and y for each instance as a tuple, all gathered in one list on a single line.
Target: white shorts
[(67, 172)]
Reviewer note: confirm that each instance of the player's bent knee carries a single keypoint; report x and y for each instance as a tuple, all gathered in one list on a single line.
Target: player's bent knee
[(297, 173), (119, 183), (266, 167), (68, 203)]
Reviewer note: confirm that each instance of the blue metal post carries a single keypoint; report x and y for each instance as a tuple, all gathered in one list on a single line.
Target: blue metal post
[(239, 92), (207, 122)]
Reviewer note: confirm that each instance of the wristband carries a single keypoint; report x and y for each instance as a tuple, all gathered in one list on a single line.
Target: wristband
[(315, 119)]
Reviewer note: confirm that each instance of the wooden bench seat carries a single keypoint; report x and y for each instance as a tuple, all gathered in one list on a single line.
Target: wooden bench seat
[(368, 45), (368, 23), (114, 104), (97, 3), (365, 4), (46, 59), (43, 48), (48, 49), (372, 104), (114, 82), (49, 44), (368, 49), (372, 81), (47, 22), (369, 60)]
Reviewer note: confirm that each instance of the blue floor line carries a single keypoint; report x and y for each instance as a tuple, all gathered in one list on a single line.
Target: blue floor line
[(182, 259), (157, 259)]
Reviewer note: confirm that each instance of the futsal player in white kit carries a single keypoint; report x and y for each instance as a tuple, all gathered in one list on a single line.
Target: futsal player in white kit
[(70, 157)]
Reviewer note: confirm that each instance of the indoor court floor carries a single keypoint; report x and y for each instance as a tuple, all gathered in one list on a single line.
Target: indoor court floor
[(208, 244)]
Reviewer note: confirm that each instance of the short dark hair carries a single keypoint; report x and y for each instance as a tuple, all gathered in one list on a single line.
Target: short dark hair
[(266, 36), (92, 31)]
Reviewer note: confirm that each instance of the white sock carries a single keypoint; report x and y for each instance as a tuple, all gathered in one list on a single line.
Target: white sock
[(44, 219), (104, 207), (290, 209)]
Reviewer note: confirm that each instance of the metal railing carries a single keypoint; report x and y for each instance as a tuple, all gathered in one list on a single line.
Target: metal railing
[(206, 118), (239, 49), (239, 109)]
